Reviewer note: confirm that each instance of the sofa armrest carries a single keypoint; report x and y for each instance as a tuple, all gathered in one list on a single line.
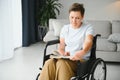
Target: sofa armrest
[(49, 36)]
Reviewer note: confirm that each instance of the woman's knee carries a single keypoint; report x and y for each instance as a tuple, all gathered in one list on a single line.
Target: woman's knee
[(60, 62), (49, 62), (66, 64)]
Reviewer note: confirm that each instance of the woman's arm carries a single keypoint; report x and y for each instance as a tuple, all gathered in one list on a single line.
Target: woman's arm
[(88, 43), (61, 48), (86, 47)]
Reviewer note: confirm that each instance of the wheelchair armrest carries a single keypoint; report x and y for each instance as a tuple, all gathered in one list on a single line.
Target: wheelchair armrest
[(52, 42)]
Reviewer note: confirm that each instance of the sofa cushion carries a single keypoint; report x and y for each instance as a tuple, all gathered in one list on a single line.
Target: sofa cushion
[(116, 26), (115, 37), (49, 36), (104, 45), (57, 26), (118, 46), (101, 27)]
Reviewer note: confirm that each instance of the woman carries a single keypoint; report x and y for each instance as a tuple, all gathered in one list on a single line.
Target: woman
[(75, 41)]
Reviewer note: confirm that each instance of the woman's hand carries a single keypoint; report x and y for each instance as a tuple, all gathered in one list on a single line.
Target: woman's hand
[(67, 54), (78, 55)]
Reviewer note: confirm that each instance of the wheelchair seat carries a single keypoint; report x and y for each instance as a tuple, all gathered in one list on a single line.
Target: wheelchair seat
[(93, 69)]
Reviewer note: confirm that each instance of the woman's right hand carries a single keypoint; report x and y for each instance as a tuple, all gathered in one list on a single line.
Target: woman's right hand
[(67, 54)]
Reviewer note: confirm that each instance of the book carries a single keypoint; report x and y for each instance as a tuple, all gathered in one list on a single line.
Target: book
[(55, 54)]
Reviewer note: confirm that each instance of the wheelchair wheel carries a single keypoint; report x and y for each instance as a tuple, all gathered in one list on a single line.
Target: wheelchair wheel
[(98, 70)]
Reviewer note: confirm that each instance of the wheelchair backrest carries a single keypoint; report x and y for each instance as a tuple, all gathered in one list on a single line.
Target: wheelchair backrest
[(93, 49)]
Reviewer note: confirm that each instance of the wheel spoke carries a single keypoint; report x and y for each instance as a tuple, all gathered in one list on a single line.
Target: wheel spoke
[(99, 73)]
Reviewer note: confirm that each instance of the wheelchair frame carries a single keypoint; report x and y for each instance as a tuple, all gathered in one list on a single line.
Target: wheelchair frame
[(86, 70)]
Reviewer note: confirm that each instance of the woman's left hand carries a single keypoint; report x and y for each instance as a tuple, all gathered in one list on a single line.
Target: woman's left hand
[(78, 55)]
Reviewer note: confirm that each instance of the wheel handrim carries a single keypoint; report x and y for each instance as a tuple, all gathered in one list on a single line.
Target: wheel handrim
[(99, 72)]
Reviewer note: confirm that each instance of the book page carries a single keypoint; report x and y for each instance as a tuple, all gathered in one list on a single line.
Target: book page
[(56, 54)]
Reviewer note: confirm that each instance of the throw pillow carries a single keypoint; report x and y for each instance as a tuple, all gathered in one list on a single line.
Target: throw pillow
[(57, 26), (115, 37)]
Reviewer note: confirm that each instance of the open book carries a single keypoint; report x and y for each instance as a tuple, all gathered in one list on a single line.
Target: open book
[(55, 54)]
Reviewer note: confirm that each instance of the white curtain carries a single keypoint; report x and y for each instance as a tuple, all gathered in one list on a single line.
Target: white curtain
[(10, 28)]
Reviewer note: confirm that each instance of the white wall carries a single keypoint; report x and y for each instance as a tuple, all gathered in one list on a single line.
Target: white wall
[(95, 9), (10, 27)]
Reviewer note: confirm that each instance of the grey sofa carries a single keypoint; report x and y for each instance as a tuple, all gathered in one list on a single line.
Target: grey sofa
[(108, 45)]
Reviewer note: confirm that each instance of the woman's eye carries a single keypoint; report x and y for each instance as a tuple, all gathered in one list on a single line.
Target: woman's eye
[(72, 17), (77, 18)]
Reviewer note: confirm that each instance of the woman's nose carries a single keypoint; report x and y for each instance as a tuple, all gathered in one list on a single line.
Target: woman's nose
[(74, 19)]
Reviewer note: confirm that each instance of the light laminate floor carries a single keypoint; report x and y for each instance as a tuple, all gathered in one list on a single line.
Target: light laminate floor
[(27, 60)]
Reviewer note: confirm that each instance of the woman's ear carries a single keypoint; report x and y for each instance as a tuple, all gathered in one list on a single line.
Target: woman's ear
[(82, 18)]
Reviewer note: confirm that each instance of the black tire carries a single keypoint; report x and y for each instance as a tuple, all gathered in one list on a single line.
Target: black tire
[(98, 70)]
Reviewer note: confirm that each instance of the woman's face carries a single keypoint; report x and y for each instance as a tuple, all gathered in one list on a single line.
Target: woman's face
[(75, 18)]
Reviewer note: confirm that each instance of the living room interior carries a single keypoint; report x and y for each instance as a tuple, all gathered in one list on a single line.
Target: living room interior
[(21, 55)]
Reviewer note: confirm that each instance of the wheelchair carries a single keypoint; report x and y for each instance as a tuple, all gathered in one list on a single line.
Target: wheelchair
[(93, 69)]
